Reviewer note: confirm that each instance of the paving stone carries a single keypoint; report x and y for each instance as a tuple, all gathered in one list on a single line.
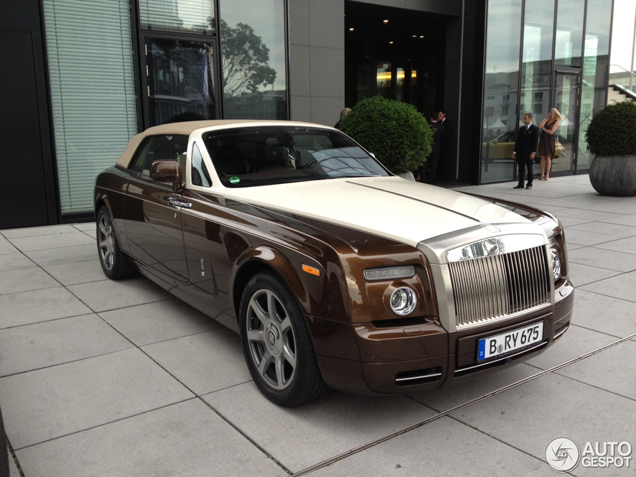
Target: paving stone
[(424, 451), (187, 438), (112, 295), (204, 362), (528, 417), (39, 345), (61, 400), (300, 437), (161, 321), (41, 305)]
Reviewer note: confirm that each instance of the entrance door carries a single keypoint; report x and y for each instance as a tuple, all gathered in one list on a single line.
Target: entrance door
[(179, 80), (566, 100)]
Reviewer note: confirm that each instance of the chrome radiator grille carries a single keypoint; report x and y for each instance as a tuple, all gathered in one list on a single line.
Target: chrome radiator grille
[(492, 287)]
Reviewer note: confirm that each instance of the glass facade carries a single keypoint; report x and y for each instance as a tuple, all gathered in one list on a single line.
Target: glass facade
[(501, 88), (546, 62), (595, 68), (185, 59), (253, 52), (93, 93)]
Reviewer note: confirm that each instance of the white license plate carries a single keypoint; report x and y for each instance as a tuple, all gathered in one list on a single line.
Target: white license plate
[(509, 341)]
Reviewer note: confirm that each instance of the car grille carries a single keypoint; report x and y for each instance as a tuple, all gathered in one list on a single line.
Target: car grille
[(493, 287)]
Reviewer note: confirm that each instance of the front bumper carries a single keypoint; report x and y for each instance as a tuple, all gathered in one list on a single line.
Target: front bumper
[(364, 359)]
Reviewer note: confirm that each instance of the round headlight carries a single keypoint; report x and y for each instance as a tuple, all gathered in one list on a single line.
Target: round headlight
[(403, 301), (556, 265)]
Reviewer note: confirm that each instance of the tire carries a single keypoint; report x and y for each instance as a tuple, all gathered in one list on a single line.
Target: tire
[(115, 263), (276, 343)]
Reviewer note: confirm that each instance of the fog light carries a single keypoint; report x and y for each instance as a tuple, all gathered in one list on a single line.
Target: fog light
[(403, 301), (556, 265)]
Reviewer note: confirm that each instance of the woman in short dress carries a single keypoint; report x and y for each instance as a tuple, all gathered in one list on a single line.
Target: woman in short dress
[(547, 141)]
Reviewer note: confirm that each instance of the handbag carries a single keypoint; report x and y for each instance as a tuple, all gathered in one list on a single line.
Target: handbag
[(559, 151)]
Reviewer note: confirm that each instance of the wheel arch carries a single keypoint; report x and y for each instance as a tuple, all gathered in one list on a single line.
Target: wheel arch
[(264, 258)]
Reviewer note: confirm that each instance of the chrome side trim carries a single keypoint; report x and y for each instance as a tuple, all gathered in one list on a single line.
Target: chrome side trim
[(413, 378)]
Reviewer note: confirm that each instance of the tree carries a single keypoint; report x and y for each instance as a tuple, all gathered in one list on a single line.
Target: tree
[(245, 60)]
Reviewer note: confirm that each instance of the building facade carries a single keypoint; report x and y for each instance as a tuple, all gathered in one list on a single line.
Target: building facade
[(81, 77)]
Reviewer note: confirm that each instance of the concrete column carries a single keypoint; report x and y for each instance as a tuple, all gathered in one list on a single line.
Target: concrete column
[(316, 60)]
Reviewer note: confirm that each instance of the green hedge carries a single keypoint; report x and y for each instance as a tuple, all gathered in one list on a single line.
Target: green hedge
[(612, 131), (396, 133)]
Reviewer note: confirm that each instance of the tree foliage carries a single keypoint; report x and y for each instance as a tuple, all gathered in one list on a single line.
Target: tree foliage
[(245, 61), (396, 133), (612, 131)]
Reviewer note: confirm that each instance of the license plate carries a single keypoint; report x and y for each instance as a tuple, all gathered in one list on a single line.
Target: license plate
[(510, 341)]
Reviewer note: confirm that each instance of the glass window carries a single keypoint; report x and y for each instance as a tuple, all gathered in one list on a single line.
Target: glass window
[(180, 81), (199, 171), (177, 15), (253, 59), (92, 87), (569, 35), (274, 155), (503, 44), (158, 148), (537, 55), (595, 65)]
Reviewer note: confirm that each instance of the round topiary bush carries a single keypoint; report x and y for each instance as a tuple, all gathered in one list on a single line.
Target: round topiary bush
[(611, 137), (396, 133), (612, 131)]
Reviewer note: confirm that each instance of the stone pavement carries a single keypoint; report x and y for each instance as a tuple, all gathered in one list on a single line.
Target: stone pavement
[(119, 378)]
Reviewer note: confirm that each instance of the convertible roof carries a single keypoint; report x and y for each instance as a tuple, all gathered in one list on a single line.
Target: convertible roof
[(187, 127)]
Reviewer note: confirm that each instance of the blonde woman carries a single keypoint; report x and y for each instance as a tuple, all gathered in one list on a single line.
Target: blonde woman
[(547, 141)]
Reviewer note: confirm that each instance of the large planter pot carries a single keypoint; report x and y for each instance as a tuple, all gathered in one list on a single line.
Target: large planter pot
[(614, 175)]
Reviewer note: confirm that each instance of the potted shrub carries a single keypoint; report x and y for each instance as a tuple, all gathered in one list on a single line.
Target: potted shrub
[(396, 133), (611, 137)]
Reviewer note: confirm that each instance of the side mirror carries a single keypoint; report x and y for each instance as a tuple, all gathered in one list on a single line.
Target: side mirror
[(167, 171)]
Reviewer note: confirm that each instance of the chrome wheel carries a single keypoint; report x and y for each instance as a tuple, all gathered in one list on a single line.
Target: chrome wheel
[(115, 263), (270, 339), (106, 242), (276, 342)]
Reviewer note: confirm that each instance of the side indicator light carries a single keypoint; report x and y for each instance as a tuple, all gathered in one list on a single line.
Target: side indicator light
[(311, 270)]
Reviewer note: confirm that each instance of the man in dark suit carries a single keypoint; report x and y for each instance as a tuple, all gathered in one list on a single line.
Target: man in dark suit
[(526, 149), (433, 159), (446, 137)]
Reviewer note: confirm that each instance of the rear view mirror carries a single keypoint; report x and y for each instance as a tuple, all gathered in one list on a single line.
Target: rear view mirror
[(167, 171)]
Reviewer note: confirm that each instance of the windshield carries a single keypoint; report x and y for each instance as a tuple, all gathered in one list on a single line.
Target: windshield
[(253, 156)]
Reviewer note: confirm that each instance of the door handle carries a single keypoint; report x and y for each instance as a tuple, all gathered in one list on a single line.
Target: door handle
[(177, 203)]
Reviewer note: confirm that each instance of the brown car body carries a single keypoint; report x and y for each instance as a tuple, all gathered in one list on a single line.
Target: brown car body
[(204, 245)]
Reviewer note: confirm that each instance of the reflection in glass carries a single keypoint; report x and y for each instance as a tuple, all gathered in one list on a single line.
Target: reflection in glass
[(595, 65), (565, 100), (180, 81), (253, 59), (503, 44), (177, 15), (569, 36), (537, 58), (383, 75)]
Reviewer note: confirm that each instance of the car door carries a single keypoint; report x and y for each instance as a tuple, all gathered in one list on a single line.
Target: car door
[(153, 211)]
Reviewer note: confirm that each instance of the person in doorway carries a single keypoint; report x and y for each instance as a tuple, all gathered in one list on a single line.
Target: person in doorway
[(547, 141), (446, 137), (343, 113), (526, 150), (432, 161)]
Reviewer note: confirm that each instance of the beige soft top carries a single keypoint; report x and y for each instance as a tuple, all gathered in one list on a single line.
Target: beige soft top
[(187, 127)]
